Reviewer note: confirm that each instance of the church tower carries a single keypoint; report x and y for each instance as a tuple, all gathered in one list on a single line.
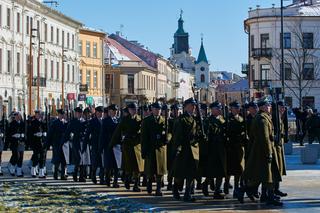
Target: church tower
[(202, 74), (181, 38)]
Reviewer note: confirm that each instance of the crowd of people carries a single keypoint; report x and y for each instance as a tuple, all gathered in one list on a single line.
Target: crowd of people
[(198, 147)]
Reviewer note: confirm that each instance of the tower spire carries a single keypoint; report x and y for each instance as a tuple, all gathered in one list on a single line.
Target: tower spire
[(202, 53)]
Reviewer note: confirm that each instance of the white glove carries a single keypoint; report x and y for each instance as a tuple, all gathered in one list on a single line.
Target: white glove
[(22, 135), (71, 136), (38, 134), (17, 135), (1, 135), (44, 134)]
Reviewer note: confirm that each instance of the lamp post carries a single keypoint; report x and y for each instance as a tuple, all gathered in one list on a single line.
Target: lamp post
[(38, 71), (30, 70), (282, 51)]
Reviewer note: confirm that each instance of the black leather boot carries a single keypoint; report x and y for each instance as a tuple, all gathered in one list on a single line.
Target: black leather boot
[(205, 190)]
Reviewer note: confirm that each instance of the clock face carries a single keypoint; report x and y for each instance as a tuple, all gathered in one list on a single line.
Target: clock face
[(202, 69)]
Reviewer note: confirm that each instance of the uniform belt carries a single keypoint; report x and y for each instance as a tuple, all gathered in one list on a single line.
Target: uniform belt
[(40, 134)]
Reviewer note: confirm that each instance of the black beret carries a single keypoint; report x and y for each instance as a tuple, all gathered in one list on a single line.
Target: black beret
[(174, 107), (215, 104), (132, 106), (99, 109), (234, 104), (251, 104), (78, 109), (60, 111), (156, 105), (113, 107), (204, 106), (190, 101), (263, 101)]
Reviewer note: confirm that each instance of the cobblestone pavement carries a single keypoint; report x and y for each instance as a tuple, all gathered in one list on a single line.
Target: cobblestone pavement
[(301, 183)]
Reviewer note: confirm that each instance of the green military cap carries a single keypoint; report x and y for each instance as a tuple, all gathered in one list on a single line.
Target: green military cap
[(263, 102), (156, 105), (190, 101), (234, 104), (215, 104)]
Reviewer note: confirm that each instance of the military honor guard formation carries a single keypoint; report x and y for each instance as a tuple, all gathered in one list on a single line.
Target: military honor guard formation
[(197, 147)]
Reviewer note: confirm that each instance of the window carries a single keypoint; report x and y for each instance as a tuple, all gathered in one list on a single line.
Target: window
[(181, 65), (0, 60), (94, 49), (46, 68), (109, 83), (18, 22), (57, 68), (287, 71), (52, 70), (68, 40), (80, 48), (18, 63), (287, 40), (73, 73), (88, 80), (130, 83), (80, 76), (51, 36), (252, 42), (38, 28), (31, 22), (57, 35), (264, 40), (68, 73), (308, 101), (72, 42), (307, 40), (27, 63), (88, 47), (253, 73), (27, 25), (95, 83), (202, 78), (265, 69), (8, 18), (62, 38), (9, 61), (45, 32), (308, 71)]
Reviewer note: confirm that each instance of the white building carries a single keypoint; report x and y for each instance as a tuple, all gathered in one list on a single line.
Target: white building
[(56, 30), (301, 51)]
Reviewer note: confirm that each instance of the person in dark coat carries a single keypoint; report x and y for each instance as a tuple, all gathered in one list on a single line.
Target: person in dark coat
[(109, 125), (55, 139), (93, 137), (16, 133), (3, 130), (38, 134), (73, 135)]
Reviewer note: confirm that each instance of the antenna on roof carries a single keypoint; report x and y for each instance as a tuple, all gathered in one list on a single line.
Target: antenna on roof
[(121, 29), (52, 3)]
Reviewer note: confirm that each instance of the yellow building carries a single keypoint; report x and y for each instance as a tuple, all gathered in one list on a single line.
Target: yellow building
[(91, 79)]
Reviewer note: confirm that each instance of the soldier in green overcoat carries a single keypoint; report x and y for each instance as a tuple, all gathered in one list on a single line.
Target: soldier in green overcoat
[(170, 151), (235, 145), (186, 146), (127, 134), (217, 159), (261, 164), (154, 147)]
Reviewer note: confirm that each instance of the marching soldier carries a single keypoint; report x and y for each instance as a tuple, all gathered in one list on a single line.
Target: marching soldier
[(38, 134), (55, 139), (235, 146), (154, 150), (170, 151), (280, 150), (127, 134), (109, 159), (260, 168), (186, 146), (217, 159), (73, 134), (93, 136), (16, 133)]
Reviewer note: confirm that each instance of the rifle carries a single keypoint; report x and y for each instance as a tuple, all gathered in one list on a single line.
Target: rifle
[(226, 110), (166, 124), (199, 114), (275, 117)]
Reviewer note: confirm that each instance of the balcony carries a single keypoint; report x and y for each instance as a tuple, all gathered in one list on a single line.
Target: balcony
[(261, 53), (83, 88), (260, 84), (43, 82)]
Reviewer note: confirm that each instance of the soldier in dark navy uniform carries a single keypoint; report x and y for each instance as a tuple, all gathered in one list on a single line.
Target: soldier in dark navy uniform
[(16, 133), (55, 139), (93, 136), (110, 166), (73, 135), (38, 134)]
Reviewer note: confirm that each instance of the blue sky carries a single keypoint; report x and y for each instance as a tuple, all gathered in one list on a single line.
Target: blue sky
[(153, 23)]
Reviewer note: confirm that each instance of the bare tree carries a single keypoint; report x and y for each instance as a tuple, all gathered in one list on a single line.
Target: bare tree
[(303, 59)]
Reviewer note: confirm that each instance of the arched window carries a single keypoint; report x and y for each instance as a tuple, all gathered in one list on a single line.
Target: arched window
[(10, 104), (202, 78)]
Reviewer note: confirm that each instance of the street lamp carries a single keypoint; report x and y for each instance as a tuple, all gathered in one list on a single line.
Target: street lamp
[(38, 71), (30, 69), (62, 80)]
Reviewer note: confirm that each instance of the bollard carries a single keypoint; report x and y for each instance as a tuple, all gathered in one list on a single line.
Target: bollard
[(309, 154)]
